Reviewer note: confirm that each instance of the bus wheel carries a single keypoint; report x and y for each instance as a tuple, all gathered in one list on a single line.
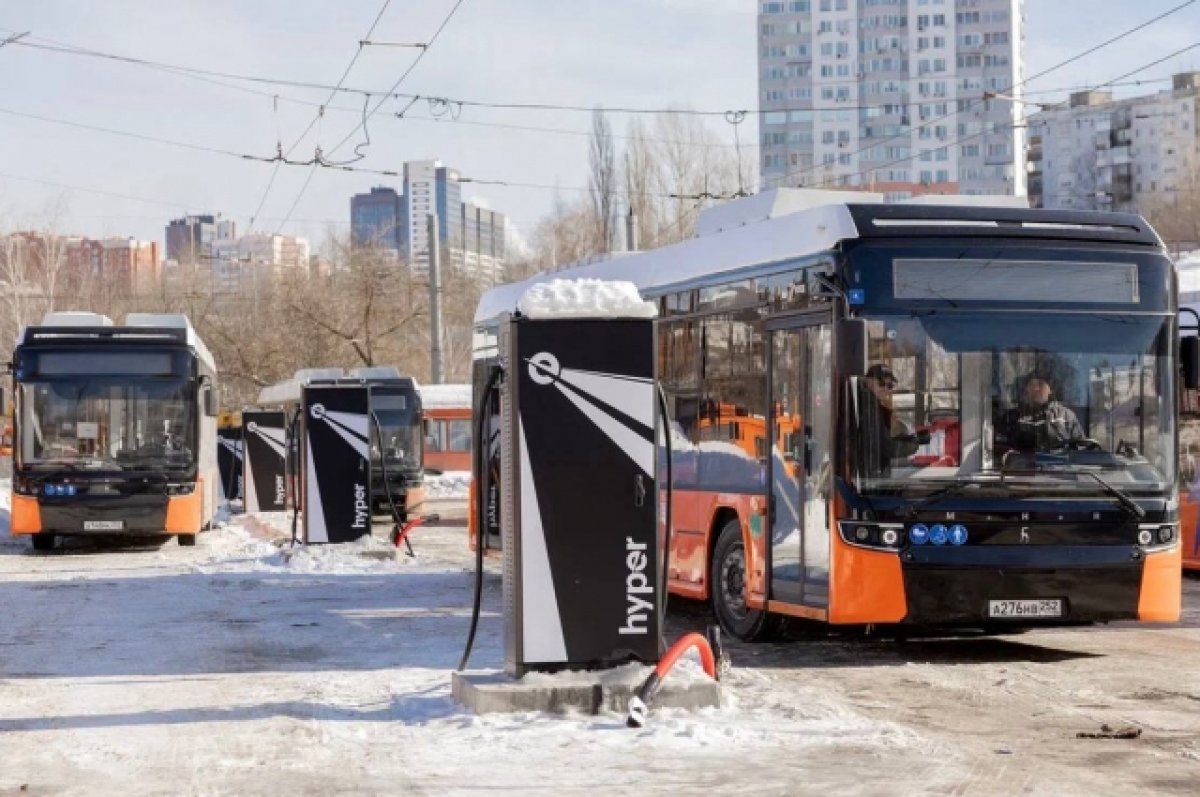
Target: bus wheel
[(728, 589), (43, 542), (187, 540)]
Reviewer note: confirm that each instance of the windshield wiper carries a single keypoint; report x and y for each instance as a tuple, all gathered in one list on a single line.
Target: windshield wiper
[(1127, 503), (954, 488)]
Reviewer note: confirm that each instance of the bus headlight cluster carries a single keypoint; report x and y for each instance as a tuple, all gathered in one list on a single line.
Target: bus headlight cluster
[(59, 489), (872, 535), (1155, 535), (186, 488), (938, 534)]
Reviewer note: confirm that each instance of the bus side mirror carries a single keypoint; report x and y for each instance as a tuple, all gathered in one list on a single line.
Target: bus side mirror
[(1189, 361), (852, 346), (210, 402)]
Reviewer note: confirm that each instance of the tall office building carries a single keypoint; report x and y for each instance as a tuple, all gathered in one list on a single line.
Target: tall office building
[(889, 95), (189, 239), (396, 222)]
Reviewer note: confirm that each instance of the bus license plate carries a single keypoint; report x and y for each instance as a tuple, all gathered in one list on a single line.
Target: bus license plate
[(1042, 607), (103, 525)]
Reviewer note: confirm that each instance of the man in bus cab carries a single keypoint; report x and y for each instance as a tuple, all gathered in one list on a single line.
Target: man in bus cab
[(1038, 422), (884, 435)]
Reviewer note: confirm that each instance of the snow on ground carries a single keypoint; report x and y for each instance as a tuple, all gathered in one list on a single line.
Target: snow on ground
[(450, 484), (244, 665)]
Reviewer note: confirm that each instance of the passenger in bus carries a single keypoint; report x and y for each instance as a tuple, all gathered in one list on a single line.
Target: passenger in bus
[(1038, 422), (884, 435)]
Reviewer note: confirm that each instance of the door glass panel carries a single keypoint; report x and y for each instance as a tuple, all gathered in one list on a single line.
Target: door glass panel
[(818, 481), (787, 461)]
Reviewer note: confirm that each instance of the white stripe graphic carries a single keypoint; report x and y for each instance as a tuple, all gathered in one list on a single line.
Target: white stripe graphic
[(355, 422), (274, 437), (542, 625), (639, 449), (633, 397), (250, 487), (314, 509)]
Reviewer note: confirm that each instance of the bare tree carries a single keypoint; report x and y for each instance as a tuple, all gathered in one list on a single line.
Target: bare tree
[(603, 181)]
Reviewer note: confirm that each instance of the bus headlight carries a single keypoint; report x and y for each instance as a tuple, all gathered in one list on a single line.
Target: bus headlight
[(1145, 537), (183, 488), (1166, 535), (882, 536)]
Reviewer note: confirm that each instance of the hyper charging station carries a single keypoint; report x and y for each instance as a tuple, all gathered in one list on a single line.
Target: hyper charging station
[(229, 462), (334, 432), (578, 494), (264, 461)]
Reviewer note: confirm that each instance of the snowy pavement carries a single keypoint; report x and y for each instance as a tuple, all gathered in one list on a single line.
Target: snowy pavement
[(240, 667)]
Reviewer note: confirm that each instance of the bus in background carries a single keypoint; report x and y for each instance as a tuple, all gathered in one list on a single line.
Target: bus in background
[(114, 429), (901, 356), (396, 439), (447, 427)]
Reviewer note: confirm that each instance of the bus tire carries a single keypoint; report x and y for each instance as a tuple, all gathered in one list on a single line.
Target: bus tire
[(43, 542), (728, 590), (187, 540)]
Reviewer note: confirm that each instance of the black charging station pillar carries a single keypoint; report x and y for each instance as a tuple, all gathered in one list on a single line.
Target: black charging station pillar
[(264, 446), (336, 462), (229, 462), (578, 495)]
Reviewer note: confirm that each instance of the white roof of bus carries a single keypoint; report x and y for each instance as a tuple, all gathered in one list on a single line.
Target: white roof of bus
[(760, 242), (444, 397), (72, 318)]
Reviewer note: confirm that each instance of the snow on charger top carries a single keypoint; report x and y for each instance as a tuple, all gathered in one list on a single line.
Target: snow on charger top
[(584, 298)]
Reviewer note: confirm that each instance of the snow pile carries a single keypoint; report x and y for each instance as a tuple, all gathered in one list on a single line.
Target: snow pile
[(451, 484), (441, 397), (585, 298)]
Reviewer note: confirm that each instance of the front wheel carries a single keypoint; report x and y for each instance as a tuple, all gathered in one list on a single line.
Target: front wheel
[(43, 542), (187, 540), (729, 590)]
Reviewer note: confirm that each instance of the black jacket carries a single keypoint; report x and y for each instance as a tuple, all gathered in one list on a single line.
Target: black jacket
[(1039, 428)]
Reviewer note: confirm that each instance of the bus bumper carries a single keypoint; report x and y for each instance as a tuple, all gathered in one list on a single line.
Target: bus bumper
[(134, 516), (1099, 583)]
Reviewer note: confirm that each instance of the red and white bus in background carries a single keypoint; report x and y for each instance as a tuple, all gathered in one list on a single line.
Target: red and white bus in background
[(447, 427)]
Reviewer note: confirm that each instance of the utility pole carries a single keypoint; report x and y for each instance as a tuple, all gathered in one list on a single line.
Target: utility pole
[(435, 301)]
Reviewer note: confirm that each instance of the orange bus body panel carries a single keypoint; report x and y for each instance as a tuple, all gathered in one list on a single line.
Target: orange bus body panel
[(447, 460), (26, 516), (865, 586), (693, 514), (1162, 587), (184, 512), (1189, 533)]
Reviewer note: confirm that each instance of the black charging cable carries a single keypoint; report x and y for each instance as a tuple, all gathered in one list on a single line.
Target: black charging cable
[(481, 462)]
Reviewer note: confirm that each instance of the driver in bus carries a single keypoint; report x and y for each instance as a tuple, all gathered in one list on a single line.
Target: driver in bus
[(1039, 422), (885, 435)]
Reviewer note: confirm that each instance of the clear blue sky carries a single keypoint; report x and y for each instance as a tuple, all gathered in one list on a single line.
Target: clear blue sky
[(697, 53)]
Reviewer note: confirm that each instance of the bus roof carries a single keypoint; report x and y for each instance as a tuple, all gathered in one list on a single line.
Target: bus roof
[(67, 327), (288, 390), (445, 397), (762, 238)]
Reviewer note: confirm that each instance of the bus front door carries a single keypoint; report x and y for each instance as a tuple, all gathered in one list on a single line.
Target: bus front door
[(800, 467)]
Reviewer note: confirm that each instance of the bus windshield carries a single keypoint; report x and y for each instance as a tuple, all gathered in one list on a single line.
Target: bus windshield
[(397, 436), (93, 423), (1063, 400)]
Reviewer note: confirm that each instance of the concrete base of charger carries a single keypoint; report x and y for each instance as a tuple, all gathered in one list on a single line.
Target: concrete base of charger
[(489, 692)]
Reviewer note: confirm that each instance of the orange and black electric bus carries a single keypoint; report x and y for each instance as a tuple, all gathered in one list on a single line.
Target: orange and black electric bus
[(966, 414), (115, 429)]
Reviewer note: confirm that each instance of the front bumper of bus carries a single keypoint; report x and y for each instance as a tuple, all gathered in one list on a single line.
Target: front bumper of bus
[(137, 515), (949, 586)]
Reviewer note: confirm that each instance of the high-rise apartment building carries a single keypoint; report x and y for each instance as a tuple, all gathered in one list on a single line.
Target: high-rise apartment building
[(1096, 153), (396, 222), (892, 95)]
